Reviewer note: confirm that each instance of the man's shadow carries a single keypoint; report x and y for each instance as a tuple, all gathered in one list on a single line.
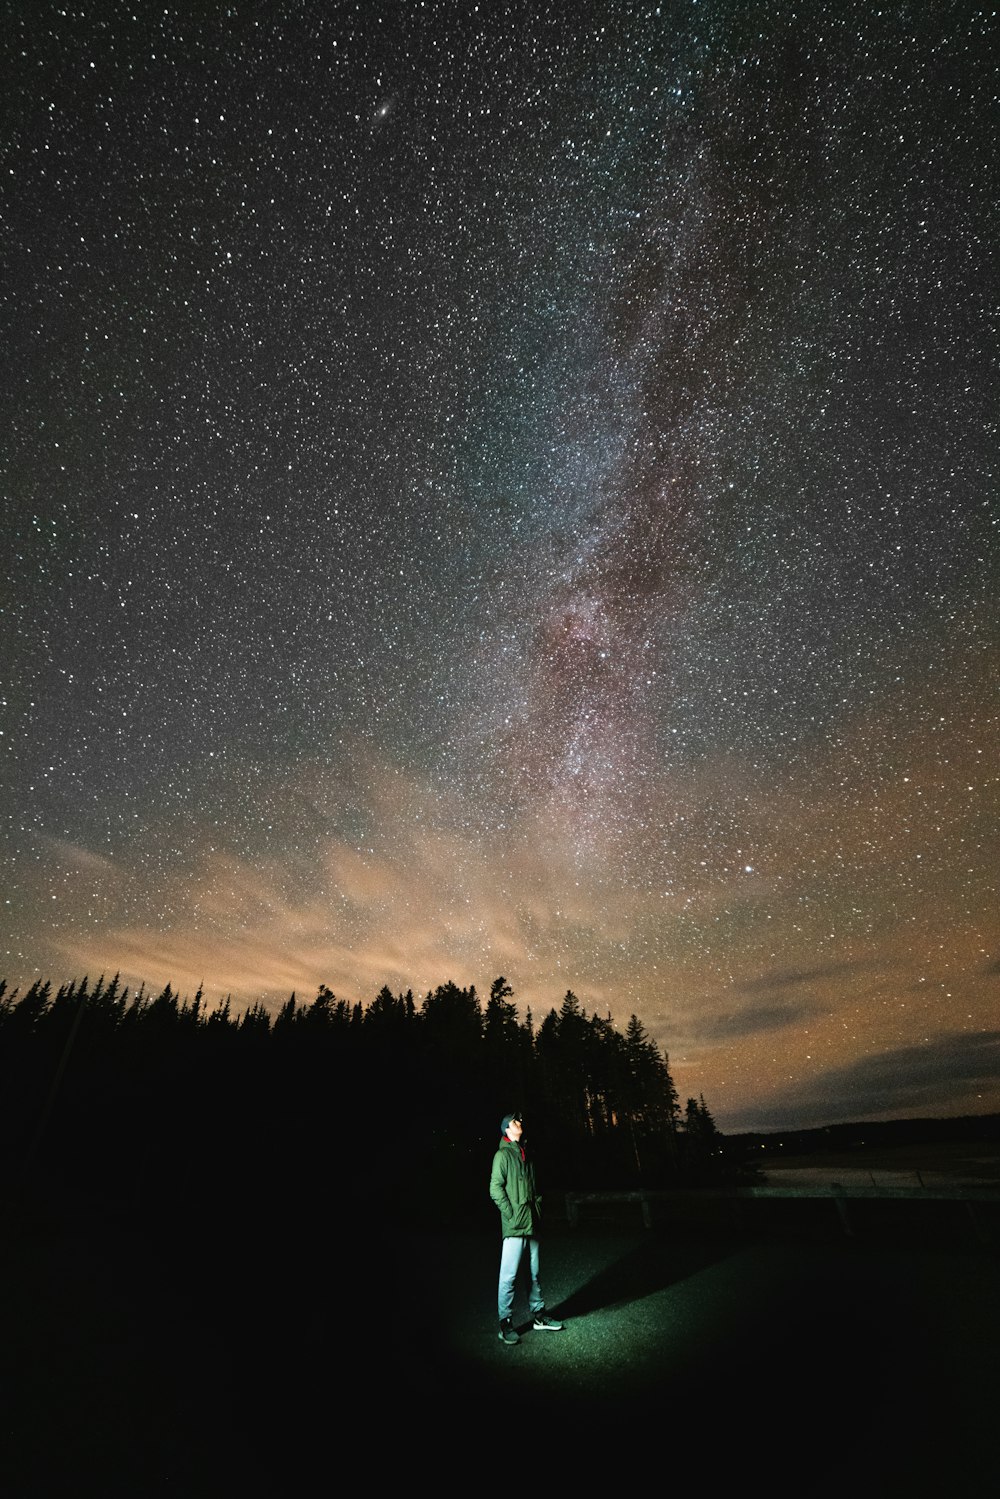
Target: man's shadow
[(651, 1266)]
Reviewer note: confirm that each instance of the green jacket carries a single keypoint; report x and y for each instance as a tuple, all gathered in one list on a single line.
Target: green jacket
[(513, 1189)]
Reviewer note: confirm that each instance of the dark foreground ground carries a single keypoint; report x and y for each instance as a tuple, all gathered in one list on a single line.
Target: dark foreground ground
[(775, 1353)]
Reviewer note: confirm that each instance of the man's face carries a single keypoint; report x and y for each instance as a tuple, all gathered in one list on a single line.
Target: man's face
[(514, 1130)]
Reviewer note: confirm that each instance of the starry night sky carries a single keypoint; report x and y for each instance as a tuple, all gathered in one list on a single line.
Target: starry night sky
[(499, 492)]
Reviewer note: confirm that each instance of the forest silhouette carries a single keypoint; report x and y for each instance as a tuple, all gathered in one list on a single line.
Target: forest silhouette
[(133, 1095)]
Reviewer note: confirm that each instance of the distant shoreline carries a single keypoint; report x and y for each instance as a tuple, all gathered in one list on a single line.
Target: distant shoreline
[(934, 1161), (861, 1141)]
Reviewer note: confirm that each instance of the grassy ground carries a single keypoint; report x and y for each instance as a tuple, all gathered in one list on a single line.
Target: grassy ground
[(784, 1354)]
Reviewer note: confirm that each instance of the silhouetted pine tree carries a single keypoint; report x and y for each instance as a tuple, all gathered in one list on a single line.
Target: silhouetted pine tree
[(25, 1016), (701, 1139), (388, 1017)]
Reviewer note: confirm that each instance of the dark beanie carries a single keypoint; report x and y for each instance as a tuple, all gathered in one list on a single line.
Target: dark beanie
[(506, 1120)]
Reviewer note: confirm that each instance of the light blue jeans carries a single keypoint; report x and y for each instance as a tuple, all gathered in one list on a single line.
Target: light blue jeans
[(510, 1261)]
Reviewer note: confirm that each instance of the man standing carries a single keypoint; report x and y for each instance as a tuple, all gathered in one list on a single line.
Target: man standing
[(512, 1188)]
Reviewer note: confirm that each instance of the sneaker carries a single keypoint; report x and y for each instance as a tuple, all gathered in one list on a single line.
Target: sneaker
[(545, 1324), (507, 1333)]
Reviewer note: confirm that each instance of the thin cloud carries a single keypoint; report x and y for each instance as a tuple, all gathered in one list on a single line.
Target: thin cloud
[(795, 978), (753, 1021), (948, 1075)]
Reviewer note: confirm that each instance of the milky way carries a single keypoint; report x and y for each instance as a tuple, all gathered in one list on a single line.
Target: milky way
[(494, 493)]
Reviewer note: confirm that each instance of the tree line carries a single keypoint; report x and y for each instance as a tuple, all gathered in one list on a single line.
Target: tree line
[(145, 1094)]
